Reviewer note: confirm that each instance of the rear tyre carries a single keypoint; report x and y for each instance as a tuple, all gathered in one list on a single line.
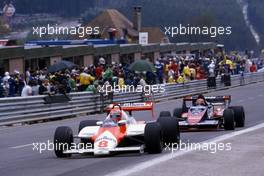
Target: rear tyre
[(239, 115), (229, 119), (86, 123), (153, 138), (177, 112), (165, 114), (63, 139), (170, 129)]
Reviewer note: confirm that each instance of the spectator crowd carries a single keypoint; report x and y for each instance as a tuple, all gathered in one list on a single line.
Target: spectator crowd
[(169, 69)]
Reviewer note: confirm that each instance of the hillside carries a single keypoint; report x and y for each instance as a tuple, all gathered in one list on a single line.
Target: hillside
[(203, 13), (166, 13), (256, 17)]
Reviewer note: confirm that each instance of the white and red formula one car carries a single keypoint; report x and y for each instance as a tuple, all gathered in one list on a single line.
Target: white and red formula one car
[(118, 132)]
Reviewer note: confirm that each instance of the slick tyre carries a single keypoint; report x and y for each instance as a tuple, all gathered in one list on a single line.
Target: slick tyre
[(229, 119), (239, 115), (63, 139), (170, 129), (165, 114), (153, 138)]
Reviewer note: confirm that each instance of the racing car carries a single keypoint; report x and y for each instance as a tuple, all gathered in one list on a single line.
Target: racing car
[(118, 132), (199, 112)]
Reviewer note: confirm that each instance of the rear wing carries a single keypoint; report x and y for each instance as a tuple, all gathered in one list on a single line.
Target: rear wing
[(146, 106), (211, 99)]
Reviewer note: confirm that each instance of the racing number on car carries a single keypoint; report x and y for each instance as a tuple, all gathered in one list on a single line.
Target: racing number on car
[(103, 143)]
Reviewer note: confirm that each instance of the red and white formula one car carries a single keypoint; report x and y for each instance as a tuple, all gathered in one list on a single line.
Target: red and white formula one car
[(118, 132), (199, 112)]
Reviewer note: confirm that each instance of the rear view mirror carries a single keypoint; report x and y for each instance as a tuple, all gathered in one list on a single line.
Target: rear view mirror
[(99, 123)]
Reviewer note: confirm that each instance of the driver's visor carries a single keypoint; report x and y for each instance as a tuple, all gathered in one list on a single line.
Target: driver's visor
[(115, 115)]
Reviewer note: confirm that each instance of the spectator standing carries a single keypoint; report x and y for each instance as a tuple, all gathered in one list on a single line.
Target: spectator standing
[(253, 68), (159, 69), (108, 73), (98, 71), (171, 80), (21, 83), (174, 65), (1, 88), (187, 72), (41, 76), (28, 75), (121, 82), (129, 80), (238, 67), (35, 87), (150, 78), (171, 72), (43, 88), (27, 90), (72, 83), (181, 79), (85, 80), (211, 68), (6, 77), (142, 81), (12, 84)]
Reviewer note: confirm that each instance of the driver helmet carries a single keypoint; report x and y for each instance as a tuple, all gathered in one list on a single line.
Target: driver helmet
[(200, 100), (116, 115)]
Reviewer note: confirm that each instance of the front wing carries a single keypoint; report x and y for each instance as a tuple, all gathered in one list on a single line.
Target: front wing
[(203, 124)]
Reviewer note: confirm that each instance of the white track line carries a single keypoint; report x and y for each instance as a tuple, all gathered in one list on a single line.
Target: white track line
[(21, 146), (169, 156)]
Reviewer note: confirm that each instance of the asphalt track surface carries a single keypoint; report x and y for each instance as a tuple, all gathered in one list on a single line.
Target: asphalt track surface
[(18, 158)]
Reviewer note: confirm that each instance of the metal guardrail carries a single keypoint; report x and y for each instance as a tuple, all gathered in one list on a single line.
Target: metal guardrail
[(32, 109)]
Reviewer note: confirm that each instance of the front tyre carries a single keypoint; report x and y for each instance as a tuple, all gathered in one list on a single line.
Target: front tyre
[(63, 139), (165, 114), (153, 138), (170, 129)]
